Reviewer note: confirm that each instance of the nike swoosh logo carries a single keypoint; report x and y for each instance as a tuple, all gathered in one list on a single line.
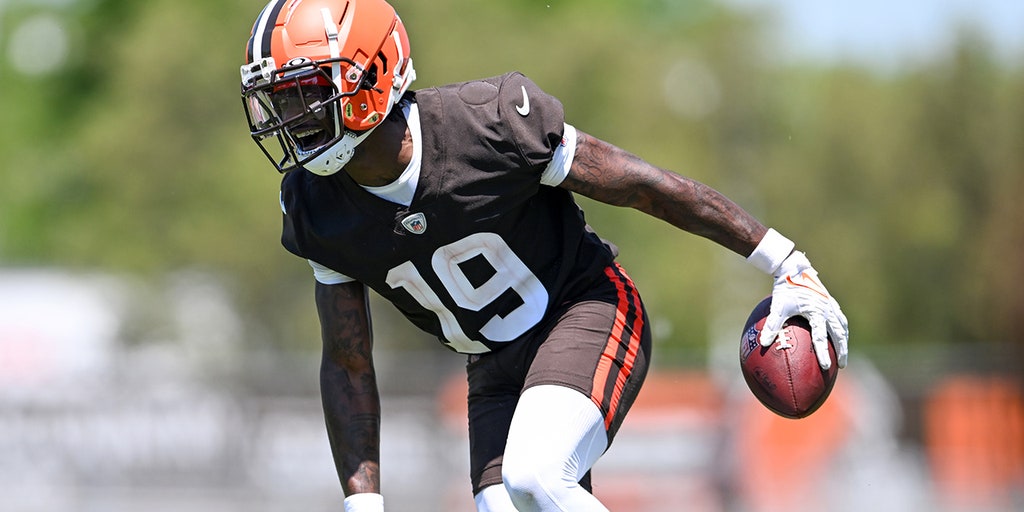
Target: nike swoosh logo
[(809, 283), (524, 109)]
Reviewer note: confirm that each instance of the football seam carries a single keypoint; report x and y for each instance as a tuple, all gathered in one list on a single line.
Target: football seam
[(791, 384)]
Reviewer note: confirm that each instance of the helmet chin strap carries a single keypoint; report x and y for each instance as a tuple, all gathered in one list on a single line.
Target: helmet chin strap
[(332, 160), (335, 157), (339, 154), (332, 41)]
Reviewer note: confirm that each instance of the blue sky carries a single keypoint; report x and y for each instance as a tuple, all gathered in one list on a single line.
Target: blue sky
[(888, 32)]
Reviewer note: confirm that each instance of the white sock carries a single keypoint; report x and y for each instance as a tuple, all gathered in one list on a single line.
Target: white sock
[(494, 499)]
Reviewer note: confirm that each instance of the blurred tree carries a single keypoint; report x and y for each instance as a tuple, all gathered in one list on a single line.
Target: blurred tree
[(134, 157)]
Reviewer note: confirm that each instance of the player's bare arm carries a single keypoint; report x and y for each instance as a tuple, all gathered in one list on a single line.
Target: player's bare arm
[(612, 175), (609, 174), (348, 385)]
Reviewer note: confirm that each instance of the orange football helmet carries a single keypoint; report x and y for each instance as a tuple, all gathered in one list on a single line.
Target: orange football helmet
[(319, 76)]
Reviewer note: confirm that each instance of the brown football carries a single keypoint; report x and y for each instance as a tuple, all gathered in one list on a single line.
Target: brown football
[(785, 376)]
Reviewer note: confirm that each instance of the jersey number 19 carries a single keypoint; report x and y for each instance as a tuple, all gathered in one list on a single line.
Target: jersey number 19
[(509, 273)]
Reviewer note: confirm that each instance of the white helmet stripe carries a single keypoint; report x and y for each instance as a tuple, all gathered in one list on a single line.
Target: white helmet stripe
[(261, 37)]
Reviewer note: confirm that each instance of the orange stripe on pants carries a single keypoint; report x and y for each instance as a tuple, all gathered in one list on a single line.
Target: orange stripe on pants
[(628, 306)]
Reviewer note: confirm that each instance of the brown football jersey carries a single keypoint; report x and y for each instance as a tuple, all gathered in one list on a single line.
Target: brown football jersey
[(484, 251)]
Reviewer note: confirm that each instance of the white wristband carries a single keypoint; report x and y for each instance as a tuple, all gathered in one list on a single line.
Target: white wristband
[(364, 502), (771, 252)]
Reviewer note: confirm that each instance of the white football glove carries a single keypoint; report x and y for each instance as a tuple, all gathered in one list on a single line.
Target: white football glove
[(799, 292)]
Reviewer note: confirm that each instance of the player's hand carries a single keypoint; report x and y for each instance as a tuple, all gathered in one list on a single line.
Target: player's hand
[(799, 292)]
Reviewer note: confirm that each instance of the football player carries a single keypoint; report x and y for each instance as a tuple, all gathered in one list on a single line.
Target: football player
[(455, 203)]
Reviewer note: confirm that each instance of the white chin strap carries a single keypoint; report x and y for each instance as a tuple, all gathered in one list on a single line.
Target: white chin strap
[(335, 157)]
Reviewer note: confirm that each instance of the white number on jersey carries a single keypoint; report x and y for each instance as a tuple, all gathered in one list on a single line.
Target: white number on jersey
[(510, 274)]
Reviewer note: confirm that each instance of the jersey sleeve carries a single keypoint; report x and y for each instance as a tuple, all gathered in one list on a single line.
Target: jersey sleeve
[(289, 238), (325, 275), (535, 119), (561, 161)]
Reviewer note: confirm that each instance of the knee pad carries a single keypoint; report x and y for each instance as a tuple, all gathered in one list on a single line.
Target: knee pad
[(529, 485), (548, 488), (556, 436)]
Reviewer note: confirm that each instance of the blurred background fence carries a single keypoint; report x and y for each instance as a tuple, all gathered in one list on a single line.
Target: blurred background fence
[(159, 350)]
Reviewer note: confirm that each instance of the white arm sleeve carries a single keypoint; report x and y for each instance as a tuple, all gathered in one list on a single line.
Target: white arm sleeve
[(558, 168), (325, 275), (364, 502)]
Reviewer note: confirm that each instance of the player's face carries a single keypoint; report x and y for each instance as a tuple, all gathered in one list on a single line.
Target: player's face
[(306, 105)]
